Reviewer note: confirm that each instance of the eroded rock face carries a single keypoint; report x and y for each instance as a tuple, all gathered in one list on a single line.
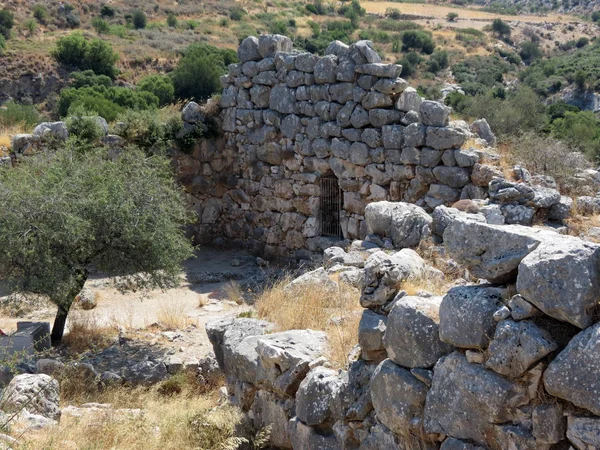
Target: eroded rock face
[(371, 329), (573, 374), (36, 394), (398, 398), (384, 273), (492, 252), (466, 401), (268, 410), (561, 278), (412, 337), (319, 397), (584, 432), (467, 315), (305, 437), (405, 223)]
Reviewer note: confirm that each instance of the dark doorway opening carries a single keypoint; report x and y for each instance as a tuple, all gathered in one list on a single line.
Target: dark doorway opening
[(331, 205)]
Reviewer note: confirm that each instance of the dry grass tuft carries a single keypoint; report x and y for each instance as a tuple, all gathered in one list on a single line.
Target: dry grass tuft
[(579, 225), (335, 312), (234, 292), (87, 333), (173, 316)]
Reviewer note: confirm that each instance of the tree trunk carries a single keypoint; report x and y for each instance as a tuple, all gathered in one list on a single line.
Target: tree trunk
[(58, 329)]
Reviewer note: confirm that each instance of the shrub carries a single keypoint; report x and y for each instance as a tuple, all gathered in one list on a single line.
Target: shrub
[(144, 130), (237, 13), (138, 19), (96, 55), (501, 28), (100, 25), (457, 101), (107, 11), (171, 20), (7, 21), (159, 85), (452, 16), (30, 25), (417, 40), (530, 51), (579, 129), (13, 114), (197, 73), (83, 125), (2, 45), (40, 13), (88, 78), (393, 13)]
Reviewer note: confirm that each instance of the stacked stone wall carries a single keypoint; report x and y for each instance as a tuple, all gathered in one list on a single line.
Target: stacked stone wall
[(289, 118)]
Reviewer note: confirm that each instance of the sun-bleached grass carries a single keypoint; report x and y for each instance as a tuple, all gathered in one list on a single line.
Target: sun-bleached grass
[(580, 225), (234, 292), (337, 312), (172, 314), (86, 332)]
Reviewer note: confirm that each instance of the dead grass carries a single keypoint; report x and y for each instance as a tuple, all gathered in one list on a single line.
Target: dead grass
[(87, 333), (234, 292), (335, 312), (579, 225), (172, 315)]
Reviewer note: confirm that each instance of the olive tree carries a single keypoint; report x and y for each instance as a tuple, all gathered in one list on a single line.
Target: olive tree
[(64, 213)]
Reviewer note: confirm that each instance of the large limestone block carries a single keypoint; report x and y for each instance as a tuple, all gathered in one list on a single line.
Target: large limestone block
[(248, 50), (442, 138), (561, 277), (466, 400), (34, 393), (268, 410), (384, 273), (573, 375), (492, 252), (318, 399), (270, 44), (467, 315), (517, 346), (405, 223), (442, 217), (434, 113), (398, 398), (371, 328), (308, 438), (285, 358), (412, 337)]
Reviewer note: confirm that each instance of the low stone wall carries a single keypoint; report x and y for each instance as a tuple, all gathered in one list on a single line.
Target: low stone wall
[(483, 366), (291, 118)]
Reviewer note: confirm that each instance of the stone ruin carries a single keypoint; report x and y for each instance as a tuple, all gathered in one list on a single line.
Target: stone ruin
[(309, 141), (507, 361)]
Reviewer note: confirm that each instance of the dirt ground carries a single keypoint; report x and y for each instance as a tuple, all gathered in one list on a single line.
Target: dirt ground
[(201, 297)]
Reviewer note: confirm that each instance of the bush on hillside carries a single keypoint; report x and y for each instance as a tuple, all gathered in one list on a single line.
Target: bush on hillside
[(159, 85), (96, 55), (171, 20), (14, 114), (579, 129), (197, 73), (530, 51), (40, 13), (418, 40), (501, 28), (107, 11), (83, 125), (100, 25), (7, 21), (88, 78), (2, 45), (138, 19)]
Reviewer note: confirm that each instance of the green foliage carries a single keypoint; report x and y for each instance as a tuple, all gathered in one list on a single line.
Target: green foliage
[(100, 25), (501, 28), (530, 51), (88, 78), (138, 19), (107, 11), (159, 85), (40, 13), (2, 44), (197, 73), (457, 101), (352, 9), (557, 110), (393, 13), (97, 55), (418, 40), (7, 21), (317, 7), (478, 74), (171, 20), (14, 113), (510, 56), (30, 25), (546, 76), (237, 13), (398, 25), (595, 16), (452, 16), (145, 130), (580, 129), (66, 212), (84, 125)]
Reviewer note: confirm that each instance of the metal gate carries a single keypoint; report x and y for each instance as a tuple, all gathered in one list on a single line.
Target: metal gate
[(331, 205)]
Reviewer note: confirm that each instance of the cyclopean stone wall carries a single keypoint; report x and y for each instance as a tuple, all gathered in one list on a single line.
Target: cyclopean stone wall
[(289, 118)]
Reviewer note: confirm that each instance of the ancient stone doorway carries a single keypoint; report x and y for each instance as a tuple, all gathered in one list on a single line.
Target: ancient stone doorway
[(331, 205)]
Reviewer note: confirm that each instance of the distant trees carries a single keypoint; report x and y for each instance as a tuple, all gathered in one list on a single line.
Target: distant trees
[(501, 28), (96, 55), (417, 40), (197, 73), (64, 213), (159, 85), (138, 19)]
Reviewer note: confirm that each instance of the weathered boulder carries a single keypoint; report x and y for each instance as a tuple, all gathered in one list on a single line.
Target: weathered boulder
[(270, 44), (434, 114), (521, 309), (86, 299), (492, 252), (285, 358), (317, 277), (145, 372), (549, 424), (442, 216), (467, 315), (381, 438), (517, 346), (268, 410), (398, 398), (248, 50), (484, 131), (504, 191), (384, 273), (456, 444), (584, 432), (561, 277), (371, 329), (466, 400), (308, 438), (412, 337), (573, 374), (319, 397), (405, 223), (52, 130), (37, 394)]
